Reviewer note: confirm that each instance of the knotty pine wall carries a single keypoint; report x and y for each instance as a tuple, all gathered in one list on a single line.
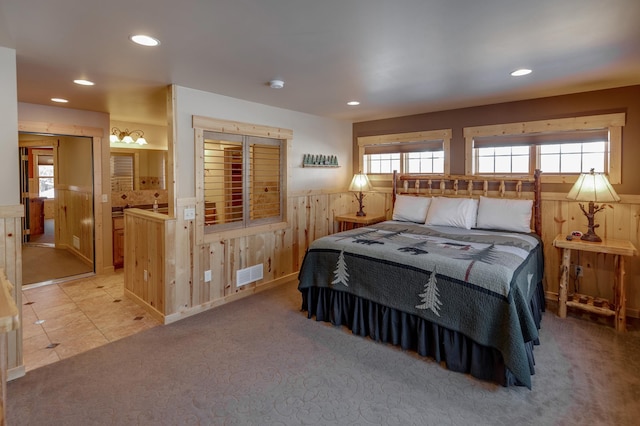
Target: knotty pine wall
[(75, 218), (11, 263), (311, 216)]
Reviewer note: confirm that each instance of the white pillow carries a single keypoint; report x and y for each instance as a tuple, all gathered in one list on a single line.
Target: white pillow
[(411, 209), (458, 212), (505, 215)]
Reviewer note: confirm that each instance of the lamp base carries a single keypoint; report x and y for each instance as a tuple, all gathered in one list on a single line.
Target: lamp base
[(591, 237), (360, 197), (591, 234)]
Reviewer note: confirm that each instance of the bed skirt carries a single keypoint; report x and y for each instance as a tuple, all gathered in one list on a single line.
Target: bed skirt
[(458, 352)]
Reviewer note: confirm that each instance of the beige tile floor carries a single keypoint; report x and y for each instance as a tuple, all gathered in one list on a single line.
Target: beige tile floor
[(62, 320)]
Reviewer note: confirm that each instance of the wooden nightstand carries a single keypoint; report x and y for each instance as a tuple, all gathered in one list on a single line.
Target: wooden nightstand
[(350, 220), (619, 249)]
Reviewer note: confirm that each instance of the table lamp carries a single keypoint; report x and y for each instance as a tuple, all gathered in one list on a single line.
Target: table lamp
[(594, 188), (359, 183)]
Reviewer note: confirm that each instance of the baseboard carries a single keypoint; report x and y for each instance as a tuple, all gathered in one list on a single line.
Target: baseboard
[(168, 319), (157, 315), (16, 373), (552, 297)]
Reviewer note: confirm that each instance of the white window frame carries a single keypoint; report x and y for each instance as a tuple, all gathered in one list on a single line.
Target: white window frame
[(202, 124), (36, 169), (443, 135), (611, 122)]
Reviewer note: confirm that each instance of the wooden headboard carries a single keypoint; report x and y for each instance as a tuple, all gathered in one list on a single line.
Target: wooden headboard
[(473, 187)]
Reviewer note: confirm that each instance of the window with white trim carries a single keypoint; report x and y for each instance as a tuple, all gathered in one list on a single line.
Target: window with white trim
[(45, 175), (574, 146), (409, 153)]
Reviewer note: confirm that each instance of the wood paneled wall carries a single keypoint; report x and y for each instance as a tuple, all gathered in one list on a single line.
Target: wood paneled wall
[(75, 218), (621, 221), (11, 262), (149, 260), (311, 215)]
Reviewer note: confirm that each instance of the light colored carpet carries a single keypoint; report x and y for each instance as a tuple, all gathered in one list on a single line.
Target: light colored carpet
[(41, 264), (260, 361)]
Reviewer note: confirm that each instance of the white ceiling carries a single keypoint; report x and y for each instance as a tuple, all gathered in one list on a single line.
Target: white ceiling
[(396, 57)]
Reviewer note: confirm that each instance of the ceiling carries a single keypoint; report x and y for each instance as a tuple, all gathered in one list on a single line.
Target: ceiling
[(396, 57)]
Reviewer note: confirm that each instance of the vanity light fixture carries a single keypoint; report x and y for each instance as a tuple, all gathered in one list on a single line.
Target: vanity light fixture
[(60, 100), (144, 40), (520, 72), (125, 136)]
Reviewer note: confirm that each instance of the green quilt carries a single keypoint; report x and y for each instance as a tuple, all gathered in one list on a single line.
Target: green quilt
[(476, 282)]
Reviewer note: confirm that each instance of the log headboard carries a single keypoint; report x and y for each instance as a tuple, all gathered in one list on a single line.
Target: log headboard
[(473, 187)]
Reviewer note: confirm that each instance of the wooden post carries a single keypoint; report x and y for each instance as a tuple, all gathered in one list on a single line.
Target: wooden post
[(619, 294), (564, 282)]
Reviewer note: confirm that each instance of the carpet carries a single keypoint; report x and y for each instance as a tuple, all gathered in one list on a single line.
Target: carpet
[(260, 361)]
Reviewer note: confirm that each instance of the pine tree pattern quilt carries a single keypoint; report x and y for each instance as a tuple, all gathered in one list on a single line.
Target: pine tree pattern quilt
[(476, 282)]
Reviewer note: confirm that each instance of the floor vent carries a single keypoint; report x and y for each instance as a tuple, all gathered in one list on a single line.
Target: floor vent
[(249, 275)]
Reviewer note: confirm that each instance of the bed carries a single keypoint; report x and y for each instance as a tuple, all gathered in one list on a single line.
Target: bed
[(456, 275)]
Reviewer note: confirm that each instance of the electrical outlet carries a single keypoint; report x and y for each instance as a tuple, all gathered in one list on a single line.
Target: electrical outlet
[(189, 213), (578, 270), (207, 275), (146, 275)]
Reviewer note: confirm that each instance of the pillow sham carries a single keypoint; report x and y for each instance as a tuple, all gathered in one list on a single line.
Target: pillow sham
[(504, 215), (411, 209), (457, 212)]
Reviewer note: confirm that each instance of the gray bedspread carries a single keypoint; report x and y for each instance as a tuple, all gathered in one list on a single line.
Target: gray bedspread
[(475, 282)]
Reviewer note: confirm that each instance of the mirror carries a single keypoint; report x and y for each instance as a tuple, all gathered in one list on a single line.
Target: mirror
[(138, 169)]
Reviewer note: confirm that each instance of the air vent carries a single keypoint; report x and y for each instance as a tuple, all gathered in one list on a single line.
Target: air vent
[(249, 275)]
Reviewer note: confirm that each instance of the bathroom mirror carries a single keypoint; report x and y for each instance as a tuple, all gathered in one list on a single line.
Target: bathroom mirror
[(138, 169)]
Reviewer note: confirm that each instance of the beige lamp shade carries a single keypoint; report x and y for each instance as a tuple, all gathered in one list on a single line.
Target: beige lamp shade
[(360, 183), (593, 187)]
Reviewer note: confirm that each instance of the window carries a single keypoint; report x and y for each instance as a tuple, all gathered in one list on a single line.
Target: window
[(44, 173), (243, 181), (414, 153), (574, 146)]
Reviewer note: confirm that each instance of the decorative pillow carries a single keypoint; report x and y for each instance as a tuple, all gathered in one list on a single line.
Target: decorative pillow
[(458, 212), (504, 215), (411, 209)]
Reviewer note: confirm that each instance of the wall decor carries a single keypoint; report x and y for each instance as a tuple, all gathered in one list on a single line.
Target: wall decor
[(312, 160)]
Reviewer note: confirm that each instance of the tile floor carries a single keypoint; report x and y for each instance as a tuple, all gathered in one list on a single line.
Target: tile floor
[(62, 320)]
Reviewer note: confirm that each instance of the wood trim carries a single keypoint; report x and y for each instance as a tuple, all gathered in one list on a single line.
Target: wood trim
[(444, 134), (237, 127), (541, 126), (59, 129), (12, 211)]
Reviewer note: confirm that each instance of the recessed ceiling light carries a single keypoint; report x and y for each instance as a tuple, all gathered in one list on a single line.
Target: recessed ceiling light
[(520, 72), (82, 82), (353, 103), (59, 100), (144, 40)]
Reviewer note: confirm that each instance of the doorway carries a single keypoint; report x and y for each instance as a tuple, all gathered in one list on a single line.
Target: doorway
[(56, 179)]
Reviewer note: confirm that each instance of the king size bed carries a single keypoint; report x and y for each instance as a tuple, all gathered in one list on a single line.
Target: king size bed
[(456, 275)]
